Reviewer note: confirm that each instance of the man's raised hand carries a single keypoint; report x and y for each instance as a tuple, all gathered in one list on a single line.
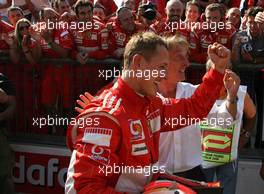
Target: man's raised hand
[(232, 83), (220, 56)]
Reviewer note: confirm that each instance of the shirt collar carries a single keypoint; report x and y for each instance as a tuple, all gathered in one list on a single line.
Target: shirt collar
[(135, 100)]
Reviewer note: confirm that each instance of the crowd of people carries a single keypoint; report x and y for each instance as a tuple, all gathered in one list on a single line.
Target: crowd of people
[(87, 30), (100, 30)]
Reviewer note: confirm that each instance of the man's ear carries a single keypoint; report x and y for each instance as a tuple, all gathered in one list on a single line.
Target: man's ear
[(136, 61)]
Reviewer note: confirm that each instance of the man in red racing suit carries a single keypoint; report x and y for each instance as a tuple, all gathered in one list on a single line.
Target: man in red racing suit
[(120, 129)]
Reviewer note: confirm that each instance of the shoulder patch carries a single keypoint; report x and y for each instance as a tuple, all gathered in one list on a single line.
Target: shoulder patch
[(97, 136)]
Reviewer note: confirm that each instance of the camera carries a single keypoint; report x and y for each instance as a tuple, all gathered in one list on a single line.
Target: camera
[(247, 47), (148, 11)]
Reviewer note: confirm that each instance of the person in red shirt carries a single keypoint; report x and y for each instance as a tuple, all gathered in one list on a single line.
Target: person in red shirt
[(121, 30), (146, 15), (128, 4), (127, 119), (171, 24), (99, 13), (92, 42), (5, 30), (160, 5), (14, 14), (56, 83), (22, 44), (215, 29), (131, 4), (233, 16), (61, 6), (192, 14)]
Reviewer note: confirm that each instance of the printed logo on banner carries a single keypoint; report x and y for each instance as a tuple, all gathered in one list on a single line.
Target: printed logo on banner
[(136, 130), (99, 154), (217, 144), (139, 149), (98, 136)]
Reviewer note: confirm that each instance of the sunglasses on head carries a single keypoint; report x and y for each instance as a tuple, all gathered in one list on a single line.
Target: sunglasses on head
[(24, 27)]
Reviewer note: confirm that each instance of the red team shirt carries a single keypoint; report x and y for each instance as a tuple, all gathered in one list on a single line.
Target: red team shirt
[(61, 37), (119, 37), (93, 41)]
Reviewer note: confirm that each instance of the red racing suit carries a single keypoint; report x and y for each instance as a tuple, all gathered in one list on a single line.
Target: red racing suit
[(201, 38), (121, 128)]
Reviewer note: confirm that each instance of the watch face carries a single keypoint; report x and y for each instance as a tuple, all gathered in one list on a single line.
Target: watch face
[(247, 134)]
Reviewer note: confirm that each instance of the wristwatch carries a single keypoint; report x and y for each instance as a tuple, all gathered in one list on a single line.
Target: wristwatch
[(245, 133), (233, 101)]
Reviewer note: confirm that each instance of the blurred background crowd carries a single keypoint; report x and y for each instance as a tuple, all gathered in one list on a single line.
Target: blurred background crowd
[(51, 66)]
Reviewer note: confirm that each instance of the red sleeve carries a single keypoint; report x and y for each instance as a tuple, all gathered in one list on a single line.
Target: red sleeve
[(195, 49), (182, 112), (113, 6), (5, 27), (98, 139)]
